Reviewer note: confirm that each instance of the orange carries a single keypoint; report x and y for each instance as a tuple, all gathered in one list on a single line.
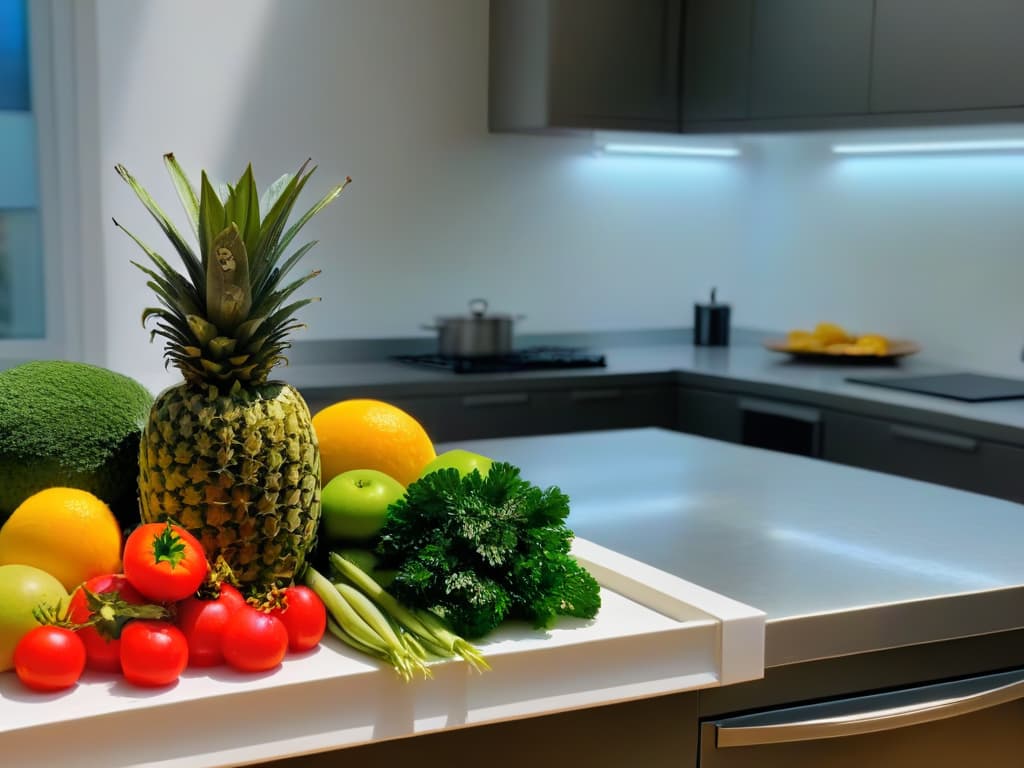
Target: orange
[(371, 434), (67, 532)]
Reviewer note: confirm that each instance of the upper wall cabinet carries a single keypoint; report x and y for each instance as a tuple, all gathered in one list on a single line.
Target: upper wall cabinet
[(935, 55), (579, 64), (749, 60), (810, 57), (750, 65), (716, 59)]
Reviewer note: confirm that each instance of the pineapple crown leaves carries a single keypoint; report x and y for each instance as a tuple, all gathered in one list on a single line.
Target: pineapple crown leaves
[(225, 317)]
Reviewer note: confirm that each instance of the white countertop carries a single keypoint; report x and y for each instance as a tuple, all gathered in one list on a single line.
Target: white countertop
[(655, 634), (842, 560)]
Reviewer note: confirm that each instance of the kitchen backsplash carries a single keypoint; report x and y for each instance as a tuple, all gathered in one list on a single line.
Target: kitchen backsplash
[(441, 211)]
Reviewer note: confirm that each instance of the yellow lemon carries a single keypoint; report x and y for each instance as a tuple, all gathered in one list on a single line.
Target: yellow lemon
[(67, 532)]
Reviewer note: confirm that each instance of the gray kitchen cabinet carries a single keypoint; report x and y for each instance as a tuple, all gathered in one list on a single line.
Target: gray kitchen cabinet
[(923, 453), (709, 414), (761, 60), (612, 407), (776, 425), (716, 60), (515, 411), (584, 64), (936, 55), (810, 57), (706, 66), (538, 412)]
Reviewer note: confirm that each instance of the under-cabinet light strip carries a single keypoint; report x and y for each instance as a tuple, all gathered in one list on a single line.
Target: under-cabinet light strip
[(668, 150), (910, 147)]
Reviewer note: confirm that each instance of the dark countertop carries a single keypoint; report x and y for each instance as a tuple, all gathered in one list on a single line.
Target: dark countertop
[(745, 367), (328, 371)]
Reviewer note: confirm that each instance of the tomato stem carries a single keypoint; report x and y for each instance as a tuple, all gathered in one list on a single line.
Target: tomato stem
[(168, 547)]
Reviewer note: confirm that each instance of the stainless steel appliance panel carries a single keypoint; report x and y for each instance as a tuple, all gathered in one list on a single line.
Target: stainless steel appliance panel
[(973, 721)]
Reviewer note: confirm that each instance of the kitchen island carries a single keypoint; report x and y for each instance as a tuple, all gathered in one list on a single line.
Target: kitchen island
[(868, 582)]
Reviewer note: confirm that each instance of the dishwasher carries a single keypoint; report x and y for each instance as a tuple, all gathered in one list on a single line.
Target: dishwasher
[(973, 721)]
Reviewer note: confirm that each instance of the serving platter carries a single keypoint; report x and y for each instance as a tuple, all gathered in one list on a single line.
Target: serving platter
[(655, 634), (897, 348)]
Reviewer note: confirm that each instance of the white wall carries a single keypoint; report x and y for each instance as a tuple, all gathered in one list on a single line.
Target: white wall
[(393, 93), (922, 247)]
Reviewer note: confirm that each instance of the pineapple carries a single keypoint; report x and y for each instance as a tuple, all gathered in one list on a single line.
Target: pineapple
[(226, 453)]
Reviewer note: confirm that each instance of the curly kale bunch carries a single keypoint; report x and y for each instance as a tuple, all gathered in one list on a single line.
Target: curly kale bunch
[(479, 550)]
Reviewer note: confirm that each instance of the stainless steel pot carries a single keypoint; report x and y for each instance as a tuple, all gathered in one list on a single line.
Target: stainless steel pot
[(475, 335)]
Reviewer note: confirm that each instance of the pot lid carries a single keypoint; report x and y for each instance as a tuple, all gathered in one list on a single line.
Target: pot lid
[(478, 312)]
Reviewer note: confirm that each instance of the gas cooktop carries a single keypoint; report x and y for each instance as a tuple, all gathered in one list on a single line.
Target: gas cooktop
[(528, 359)]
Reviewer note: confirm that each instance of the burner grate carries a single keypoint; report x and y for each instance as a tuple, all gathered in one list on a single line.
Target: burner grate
[(530, 358)]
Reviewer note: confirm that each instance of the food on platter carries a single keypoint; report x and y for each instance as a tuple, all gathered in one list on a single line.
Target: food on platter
[(831, 340), (479, 550), (364, 433), (22, 589), (462, 460), (233, 483), (66, 532), (227, 453), (354, 504), (69, 424)]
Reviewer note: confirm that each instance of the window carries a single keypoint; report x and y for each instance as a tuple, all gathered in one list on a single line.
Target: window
[(22, 306), (45, 256)]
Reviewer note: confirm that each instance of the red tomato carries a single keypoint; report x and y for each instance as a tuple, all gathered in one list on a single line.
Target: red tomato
[(203, 622), (164, 562), (231, 596), (254, 641), (304, 616), (153, 653), (49, 658), (102, 644)]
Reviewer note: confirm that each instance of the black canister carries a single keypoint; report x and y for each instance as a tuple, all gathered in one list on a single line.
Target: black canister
[(711, 323)]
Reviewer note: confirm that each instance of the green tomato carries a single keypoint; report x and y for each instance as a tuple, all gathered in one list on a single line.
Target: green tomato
[(354, 505), (22, 588), (464, 461)]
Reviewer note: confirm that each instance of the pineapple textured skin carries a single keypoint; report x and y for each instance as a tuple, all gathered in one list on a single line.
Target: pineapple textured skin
[(227, 454), (240, 470)]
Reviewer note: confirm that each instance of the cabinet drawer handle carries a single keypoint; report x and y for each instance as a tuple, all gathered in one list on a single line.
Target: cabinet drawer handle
[(498, 398), (595, 394), (875, 721), (930, 437)]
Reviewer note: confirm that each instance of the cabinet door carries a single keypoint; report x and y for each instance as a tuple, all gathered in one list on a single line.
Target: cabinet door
[(810, 57), (608, 407), (947, 55), (716, 60), (615, 64), (935, 456), (710, 414), (533, 412)]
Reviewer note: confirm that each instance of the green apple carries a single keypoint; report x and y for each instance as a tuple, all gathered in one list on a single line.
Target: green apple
[(464, 461), (354, 505)]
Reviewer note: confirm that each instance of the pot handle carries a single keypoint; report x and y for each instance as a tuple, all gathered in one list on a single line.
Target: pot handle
[(478, 308)]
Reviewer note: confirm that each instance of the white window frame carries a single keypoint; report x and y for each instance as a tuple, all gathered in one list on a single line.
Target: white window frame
[(63, 86)]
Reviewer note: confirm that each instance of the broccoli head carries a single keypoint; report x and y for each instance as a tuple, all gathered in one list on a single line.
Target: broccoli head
[(74, 425)]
